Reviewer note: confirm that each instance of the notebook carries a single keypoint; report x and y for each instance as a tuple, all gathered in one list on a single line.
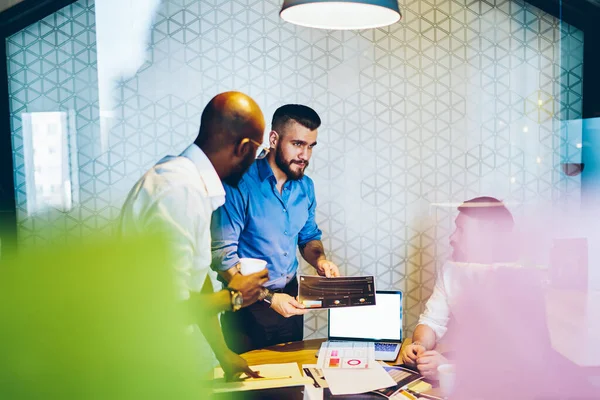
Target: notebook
[(380, 323)]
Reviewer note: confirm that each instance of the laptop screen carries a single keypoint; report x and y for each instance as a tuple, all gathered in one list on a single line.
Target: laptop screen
[(382, 321)]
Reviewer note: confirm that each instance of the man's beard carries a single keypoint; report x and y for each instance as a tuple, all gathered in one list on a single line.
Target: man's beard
[(234, 178), (285, 165)]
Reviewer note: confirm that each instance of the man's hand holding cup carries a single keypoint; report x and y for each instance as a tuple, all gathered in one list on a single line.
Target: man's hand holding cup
[(253, 275)]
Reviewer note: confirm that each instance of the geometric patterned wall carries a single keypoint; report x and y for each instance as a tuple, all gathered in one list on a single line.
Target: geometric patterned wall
[(459, 99), (52, 67)]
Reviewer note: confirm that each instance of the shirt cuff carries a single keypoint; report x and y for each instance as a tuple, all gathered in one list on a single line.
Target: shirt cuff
[(316, 236), (223, 261)]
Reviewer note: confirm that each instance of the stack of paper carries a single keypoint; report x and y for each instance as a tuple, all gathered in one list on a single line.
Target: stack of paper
[(273, 375), (350, 367)]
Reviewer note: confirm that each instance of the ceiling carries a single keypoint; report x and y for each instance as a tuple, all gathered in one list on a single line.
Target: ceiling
[(6, 4)]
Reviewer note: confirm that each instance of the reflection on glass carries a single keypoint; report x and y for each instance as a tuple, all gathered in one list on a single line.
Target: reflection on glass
[(122, 40), (48, 161)]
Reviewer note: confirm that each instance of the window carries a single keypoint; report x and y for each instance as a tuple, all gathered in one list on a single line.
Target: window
[(49, 159)]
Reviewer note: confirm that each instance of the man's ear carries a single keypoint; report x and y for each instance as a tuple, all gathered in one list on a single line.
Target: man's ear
[(273, 139), (241, 148)]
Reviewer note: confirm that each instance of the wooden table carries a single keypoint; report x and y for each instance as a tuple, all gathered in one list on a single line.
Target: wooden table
[(304, 352), (299, 352)]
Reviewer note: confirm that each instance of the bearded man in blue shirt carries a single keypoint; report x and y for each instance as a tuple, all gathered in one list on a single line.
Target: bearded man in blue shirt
[(267, 216)]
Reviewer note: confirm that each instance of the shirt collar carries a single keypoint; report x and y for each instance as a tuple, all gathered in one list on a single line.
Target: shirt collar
[(212, 182), (264, 169)]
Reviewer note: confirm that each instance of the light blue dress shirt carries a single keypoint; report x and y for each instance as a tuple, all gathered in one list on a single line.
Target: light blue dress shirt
[(257, 221)]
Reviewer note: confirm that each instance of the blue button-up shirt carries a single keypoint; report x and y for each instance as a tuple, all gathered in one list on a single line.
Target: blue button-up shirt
[(259, 222)]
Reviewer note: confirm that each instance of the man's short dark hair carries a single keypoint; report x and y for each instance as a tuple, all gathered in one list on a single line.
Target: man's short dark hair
[(304, 115), (489, 209)]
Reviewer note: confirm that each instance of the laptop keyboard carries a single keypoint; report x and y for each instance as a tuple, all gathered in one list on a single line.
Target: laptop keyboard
[(385, 346)]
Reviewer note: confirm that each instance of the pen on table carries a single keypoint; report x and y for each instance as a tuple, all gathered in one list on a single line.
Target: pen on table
[(423, 395)]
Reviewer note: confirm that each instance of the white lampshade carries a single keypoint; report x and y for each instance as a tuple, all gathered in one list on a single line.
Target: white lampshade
[(341, 14)]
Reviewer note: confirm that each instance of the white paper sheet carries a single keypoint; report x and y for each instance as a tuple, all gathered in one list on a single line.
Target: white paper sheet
[(351, 381), (276, 375)]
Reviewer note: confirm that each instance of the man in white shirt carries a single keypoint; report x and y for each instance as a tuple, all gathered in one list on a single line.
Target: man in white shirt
[(177, 197), (482, 240)]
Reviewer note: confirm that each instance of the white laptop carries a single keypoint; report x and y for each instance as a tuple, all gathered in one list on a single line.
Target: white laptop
[(381, 324)]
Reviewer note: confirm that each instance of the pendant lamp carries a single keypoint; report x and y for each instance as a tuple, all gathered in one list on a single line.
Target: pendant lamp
[(341, 14)]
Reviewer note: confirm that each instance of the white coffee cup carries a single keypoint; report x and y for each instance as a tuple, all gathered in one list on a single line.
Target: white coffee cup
[(446, 376), (251, 265)]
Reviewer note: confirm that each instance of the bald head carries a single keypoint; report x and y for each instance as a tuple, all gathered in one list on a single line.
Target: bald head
[(227, 119)]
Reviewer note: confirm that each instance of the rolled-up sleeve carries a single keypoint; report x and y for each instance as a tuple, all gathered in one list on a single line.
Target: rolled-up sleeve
[(310, 231), (227, 224), (437, 309)]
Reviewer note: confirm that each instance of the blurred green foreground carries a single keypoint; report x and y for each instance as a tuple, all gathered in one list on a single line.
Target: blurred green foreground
[(94, 320)]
